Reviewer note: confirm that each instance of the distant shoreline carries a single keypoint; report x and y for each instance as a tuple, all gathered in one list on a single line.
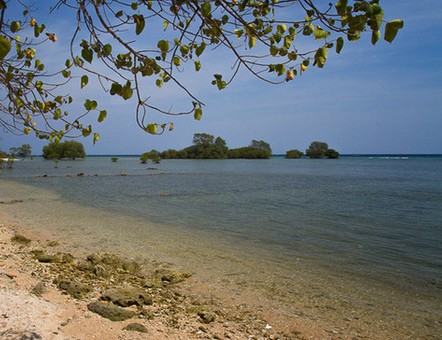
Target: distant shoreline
[(374, 155)]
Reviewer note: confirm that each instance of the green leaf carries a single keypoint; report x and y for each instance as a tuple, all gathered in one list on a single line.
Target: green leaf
[(140, 23), (287, 41), (102, 116), (87, 54), (152, 128), (163, 45), (206, 9), (320, 34), (200, 49), (375, 36), (274, 50), (238, 33), (176, 61), (281, 28), (321, 57), (15, 26), (392, 28), (5, 47), (198, 113), (86, 131), (96, 137), (68, 63), (57, 114), (292, 56), (197, 65), (184, 49), (339, 44), (280, 69), (127, 92), (84, 81), (107, 49), (115, 88), (377, 15), (252, 41), (165, 24), (341, 7), (38, 29), (90, 104), (308, 29)]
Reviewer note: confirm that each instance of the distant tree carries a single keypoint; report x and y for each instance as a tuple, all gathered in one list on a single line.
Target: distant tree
[(205, 146), (153, 155), (332, 154), (317, 150), (69, 149), (248, 152), (114, 159), (3, 157), (53, 151), (25, 151), (170, 153), (202, 139), (73, 150), (260, 144), (321, 150), (22, 152), (294, 154)]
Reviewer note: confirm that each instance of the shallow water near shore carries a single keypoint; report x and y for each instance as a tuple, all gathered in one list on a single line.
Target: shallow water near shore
[(355, 242)]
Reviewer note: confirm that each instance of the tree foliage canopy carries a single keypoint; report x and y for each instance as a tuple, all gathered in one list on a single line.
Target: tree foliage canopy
[(321, 150), (22, 151), (295, 153), (130, 46), (68, 149), (206, 146)]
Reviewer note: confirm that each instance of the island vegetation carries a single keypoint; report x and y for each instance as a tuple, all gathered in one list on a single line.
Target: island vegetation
[(206, 146), (294, 154), (153, 155), (64, 150), (321, 150)]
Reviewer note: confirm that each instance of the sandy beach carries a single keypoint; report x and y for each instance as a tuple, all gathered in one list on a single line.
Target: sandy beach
[(51, 290), (33, 304)]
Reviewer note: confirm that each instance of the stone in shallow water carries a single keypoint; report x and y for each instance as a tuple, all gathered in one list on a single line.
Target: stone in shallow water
[(135, 327), (207, 316), (76, 290), (20, 239), (126, 297), (39, 289), (171, 276), (110, 311)]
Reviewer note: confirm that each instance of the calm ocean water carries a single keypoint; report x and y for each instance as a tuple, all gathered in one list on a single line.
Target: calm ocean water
[(367, 217)]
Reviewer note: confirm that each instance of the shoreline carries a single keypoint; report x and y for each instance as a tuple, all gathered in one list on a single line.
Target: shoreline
[(55, 314), (310, 306)]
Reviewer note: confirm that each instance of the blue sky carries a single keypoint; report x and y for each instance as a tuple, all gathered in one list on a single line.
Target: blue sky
[(381, 99)]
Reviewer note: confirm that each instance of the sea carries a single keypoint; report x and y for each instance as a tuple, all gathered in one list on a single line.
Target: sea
[(355, 241)]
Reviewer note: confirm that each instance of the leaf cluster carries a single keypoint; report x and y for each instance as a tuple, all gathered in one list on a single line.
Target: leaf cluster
[(146, 44)]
